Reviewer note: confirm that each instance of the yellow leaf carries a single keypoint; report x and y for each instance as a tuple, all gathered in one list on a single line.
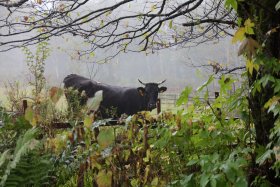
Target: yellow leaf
[(104, 179), (250, 66), (249, 26), (239, 35), (30, 116), (271, 101), (88, 121), (153, 7), (147, 171), (155, 182)]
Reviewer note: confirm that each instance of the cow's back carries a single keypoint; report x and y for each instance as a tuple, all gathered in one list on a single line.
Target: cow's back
[(80, 83)]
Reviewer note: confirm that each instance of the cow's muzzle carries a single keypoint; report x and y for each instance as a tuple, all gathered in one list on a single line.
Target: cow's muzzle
[(152, 106)]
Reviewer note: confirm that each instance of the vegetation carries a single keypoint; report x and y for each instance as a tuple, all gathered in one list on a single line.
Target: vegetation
[(202, 145)]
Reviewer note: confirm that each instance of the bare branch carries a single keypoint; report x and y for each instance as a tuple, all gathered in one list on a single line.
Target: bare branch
[(123, 26), (9, 4)]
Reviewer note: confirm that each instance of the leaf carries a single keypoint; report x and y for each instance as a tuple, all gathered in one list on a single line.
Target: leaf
[(147, 171), (229, 171), (204, 179), (250, 66), (30, 116), (170, 24), (94, 102), (92, 54), (239, 35), (249, 26), (211, 78), (106, 137), (265, 79), (4, 157), (248, 47), (213, 182), (55, 93), (104, 179), (155, 182), (192, 162), (272, 101), (277, 86), (264, 157), (277, 6), (241, 182), (231, 4), (184, 96), (153, 8), (88, 121)]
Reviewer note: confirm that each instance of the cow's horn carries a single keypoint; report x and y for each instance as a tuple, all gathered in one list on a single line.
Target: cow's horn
[(142, 82), (162, 82)]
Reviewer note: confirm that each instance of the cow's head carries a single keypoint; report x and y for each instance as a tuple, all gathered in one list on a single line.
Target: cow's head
[(150, 93)]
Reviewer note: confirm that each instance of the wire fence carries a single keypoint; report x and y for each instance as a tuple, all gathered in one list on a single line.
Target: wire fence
[(170, 99)]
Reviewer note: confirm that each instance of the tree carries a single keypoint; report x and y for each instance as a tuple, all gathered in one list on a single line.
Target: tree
[(153, 25), (126, 25)]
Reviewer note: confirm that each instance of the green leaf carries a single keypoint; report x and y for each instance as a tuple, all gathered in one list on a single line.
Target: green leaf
[(106, 137), (184, 97), (211, 78), (187, 179), (277, 6), (213, 182), (192, 162), (264, 157), (277, 86), (241, 182), (4, 157), (229, 171), (170, 24), (265, 79), (231, 4), (29, 116), (204, 179)]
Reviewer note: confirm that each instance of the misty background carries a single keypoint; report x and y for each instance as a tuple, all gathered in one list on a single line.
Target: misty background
[(180, 67)]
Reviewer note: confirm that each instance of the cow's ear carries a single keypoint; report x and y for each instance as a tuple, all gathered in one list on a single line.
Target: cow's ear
[(162, 89), (141, 91)]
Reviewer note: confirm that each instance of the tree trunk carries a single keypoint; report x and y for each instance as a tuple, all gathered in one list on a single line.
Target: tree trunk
[(266, 18)]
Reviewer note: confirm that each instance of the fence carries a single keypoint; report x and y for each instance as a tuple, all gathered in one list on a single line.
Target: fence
[(170, 99)]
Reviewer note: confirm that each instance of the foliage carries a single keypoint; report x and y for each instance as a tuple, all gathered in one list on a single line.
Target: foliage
[(210, 143), (24, 166)]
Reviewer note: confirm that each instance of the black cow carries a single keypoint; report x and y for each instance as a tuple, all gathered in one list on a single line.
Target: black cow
[(123, 99)]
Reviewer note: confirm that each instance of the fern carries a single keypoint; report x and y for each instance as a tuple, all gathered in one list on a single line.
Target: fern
[(27, 166)]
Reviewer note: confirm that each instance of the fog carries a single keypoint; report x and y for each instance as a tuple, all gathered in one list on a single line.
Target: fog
[(174, 65)]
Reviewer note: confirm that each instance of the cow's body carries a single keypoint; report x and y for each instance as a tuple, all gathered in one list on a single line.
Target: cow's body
[(123, 99)]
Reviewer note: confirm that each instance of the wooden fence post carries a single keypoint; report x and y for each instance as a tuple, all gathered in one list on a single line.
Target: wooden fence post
[(24, 106), (158, 106)]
